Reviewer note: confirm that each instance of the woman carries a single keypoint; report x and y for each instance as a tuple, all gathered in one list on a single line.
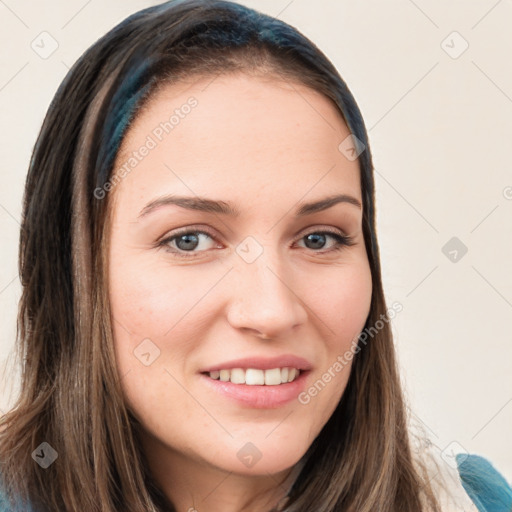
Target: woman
[(203, 325)]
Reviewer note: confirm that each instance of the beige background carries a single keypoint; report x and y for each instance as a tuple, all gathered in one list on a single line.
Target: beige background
[(440, 123)]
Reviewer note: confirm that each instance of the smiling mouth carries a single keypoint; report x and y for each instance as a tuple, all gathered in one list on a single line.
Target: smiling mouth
[(256, 377)]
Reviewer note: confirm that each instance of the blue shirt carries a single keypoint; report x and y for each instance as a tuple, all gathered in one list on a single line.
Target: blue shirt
[(486, 487)]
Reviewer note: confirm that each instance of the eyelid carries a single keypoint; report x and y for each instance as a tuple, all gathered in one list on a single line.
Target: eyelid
[(318, 228), (187, 229)]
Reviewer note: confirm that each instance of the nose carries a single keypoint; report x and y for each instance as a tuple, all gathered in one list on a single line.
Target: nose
[(263, 299)]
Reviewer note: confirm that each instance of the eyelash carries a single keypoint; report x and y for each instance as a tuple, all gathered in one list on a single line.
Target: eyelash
[(342, 241)]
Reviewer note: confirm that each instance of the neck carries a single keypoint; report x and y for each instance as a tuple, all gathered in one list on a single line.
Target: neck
[(195, 485)]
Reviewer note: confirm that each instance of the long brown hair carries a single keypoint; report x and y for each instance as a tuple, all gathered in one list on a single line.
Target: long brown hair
[(70, 396)]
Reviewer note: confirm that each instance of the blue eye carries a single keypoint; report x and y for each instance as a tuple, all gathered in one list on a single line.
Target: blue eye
[(184, 243), (319, 238)]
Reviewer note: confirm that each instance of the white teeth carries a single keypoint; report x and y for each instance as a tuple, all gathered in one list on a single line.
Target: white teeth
[(237, 376), (273, 377), (256, 377)]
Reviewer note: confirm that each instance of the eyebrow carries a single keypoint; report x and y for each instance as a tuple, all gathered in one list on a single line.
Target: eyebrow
[(225, 208)]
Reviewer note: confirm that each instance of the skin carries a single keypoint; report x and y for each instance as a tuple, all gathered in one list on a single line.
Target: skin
[(265, 145)]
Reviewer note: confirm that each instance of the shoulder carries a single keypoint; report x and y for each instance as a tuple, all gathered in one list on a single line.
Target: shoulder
[(461, 482), (484, 484)]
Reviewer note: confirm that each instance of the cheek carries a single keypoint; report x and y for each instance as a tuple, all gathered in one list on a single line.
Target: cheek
[(343, 304), (160, 310), (354, 301), (341, 299), (151, 318), (149, 301), (354, 298)]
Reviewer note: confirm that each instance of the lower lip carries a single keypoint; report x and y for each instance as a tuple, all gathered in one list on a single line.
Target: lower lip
[(259, 397)]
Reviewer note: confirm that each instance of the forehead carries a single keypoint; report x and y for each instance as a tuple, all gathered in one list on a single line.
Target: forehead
[(238, 132)]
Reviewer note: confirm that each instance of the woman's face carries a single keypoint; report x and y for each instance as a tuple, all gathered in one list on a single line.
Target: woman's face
[(194, 285)]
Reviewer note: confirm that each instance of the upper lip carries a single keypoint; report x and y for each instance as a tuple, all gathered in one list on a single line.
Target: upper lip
[(262, 363)]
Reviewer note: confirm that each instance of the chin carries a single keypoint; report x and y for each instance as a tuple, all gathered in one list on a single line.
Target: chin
[(260, 455)]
